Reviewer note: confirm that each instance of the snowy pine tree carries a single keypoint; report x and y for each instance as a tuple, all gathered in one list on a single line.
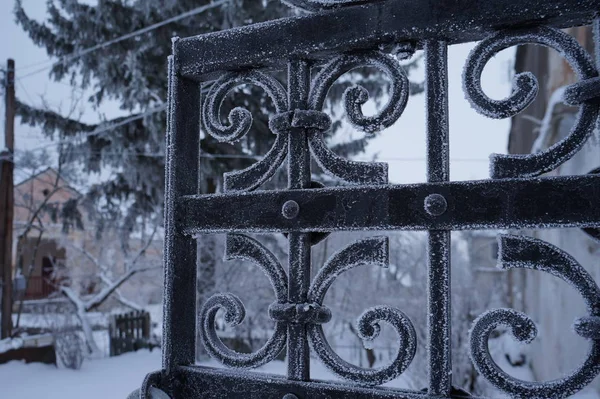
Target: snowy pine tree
[(133, 73)]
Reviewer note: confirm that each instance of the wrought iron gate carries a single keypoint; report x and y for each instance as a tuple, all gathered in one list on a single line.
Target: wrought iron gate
[(317, 49)]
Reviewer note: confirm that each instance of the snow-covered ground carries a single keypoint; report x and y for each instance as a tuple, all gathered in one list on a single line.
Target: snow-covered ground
[(114, 377), (117, 377)]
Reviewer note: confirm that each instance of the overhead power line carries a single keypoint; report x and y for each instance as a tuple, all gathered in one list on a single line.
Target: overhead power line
[(138, 32), (22, 86), (112, 126), (133, 118), (105, 128)]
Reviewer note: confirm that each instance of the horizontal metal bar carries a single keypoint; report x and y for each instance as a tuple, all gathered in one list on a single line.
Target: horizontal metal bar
[(209, 383), (317, 35), (571, 201)]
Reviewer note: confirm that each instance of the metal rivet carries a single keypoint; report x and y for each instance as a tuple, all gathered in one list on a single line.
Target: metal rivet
[(290, 209), (435, 204), (289, 396)]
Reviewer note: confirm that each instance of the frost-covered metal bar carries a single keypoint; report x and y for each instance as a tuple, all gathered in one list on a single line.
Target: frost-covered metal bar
[(322, 34), (298, 355), (572, 201), (231, 384), (179, 335), (439, 346)]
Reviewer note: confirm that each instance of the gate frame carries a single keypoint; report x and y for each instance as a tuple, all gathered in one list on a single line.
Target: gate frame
[(508, 200)]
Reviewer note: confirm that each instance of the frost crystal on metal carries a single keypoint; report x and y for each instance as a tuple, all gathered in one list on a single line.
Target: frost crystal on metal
[(316, 49), (319, 5), (531, 253), (525, 89)]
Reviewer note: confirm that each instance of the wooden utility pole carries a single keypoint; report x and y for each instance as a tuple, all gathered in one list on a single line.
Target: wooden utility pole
[(6, 201)]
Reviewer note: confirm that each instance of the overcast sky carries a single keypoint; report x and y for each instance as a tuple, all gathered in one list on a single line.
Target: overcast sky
[(472, 137)]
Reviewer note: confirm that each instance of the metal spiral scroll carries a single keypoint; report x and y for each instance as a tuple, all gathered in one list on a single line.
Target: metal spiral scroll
[(368, 251), (354, 98), (530, 253), (313, 119), (524, 92), (245, 248), (240, 122)]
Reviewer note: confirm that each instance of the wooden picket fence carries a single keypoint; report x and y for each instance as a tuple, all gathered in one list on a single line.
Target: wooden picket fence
[(129, 332)]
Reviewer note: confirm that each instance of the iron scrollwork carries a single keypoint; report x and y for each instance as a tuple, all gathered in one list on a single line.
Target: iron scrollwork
[(245, 248), (313, 119), (525, 252), (300, 124), (530, 253), (240, 123), (354, 98), (313, 313), (525, 89), (369, 251), (374, 251), (315, 123)]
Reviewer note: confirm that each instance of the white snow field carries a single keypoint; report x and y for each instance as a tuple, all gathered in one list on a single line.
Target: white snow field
[(113, 377), (117, 377)]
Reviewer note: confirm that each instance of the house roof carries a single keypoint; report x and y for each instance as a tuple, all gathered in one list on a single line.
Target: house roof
[(49, 170)]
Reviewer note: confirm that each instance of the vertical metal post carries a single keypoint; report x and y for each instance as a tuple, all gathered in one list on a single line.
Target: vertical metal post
[(438, 170), (179, 303), (299, 243), (6, 203)]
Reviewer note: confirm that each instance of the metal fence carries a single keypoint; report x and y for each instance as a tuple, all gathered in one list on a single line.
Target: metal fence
[(316, 49), (129, 332)]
